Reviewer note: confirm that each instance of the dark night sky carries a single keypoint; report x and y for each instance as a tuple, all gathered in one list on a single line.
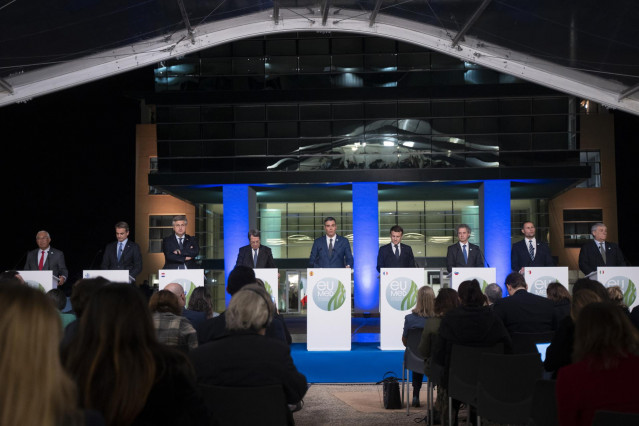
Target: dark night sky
[(68, 166)]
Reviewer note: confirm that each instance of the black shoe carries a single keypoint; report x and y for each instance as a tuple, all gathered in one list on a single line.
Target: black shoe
[(416, 401)]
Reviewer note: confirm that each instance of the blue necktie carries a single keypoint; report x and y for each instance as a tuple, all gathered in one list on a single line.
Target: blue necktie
[(119, 251), (396, 251), (465, 253), (330, 247)]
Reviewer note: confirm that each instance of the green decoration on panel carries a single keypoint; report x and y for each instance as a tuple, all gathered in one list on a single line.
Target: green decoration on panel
[(338, 298), (411, 297)]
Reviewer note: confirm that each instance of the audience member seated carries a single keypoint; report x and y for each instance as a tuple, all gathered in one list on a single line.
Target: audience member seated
[(616, 297), (196, 318), (59, 301), (606, 366), (634, 316), (245, 356), (493, 293), (9, 277), (559, 353), (560, 297), (172, 328), (200, 301), (124, 372), (35, 388), (80, 294), (424, 309), (592, 285), (471, 324), (523, 312), (215, 328)]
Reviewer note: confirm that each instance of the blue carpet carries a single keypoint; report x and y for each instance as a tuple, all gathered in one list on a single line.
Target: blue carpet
[(364, 363)]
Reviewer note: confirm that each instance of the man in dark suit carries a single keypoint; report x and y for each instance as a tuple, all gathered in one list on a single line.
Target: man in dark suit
[(395, 254), (464, 254), (180, 249), (46, 258), (523, 312), (123, 254), (599, 252), (255, 255), (331, 250), (529, 251)]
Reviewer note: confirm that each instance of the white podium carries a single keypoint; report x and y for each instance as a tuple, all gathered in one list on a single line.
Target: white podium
[(397, 296), (188, 278), (269, 276), (116, 276), (329, 309), (485, 276), (626, 277), (44, 280), (538, 278)]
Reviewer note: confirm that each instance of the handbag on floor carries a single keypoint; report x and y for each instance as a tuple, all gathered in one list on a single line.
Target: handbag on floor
[(390, 388)]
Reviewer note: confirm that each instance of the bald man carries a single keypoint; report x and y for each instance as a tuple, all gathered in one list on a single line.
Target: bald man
[(195, 318)]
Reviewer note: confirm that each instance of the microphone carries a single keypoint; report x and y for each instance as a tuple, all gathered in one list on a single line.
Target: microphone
[(94, 259), (483, 258)]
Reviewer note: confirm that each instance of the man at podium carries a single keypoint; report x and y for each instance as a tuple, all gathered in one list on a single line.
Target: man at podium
[(331, 250), (529, 251), (46, 258), (255, 255), (123, 254), (464, 254), (599, 252), (180, 249), (395, 254)]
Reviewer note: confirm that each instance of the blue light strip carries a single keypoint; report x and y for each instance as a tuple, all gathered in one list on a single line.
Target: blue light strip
[(365, 246), (495, 205), (236, 225)]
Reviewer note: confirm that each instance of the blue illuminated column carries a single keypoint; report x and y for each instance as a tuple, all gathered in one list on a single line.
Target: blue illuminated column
[(494, 211), (365, 246), (239, 215)]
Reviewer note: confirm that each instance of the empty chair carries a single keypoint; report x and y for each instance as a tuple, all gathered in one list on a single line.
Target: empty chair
[(544, 404), (228, 405), (505, 386), (412, 360), (525, 343), (610, 418)]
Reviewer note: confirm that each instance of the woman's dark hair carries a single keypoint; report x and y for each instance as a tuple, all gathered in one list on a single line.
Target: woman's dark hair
[(58, 299), (470, 294), (447, 299), (592, 285), (557, 292), (165, 301), (200, 301)]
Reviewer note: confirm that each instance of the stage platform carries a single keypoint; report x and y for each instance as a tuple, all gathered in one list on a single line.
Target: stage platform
[(364, 363)]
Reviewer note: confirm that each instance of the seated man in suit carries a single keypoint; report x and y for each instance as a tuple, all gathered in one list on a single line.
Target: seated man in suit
[(123, 254), (395, 254), (46, 258), (524, 312), (598, 252), (529, 251), (255, 255), (331, 250), (180, 249), (464, 254)]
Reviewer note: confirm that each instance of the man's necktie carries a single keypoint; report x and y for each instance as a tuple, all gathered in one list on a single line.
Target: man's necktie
[(119, 251), (255, 258), (330, 247), (41, 263), (602, 250), (396, 251), (180, 243), (465, 253), (531, 250)]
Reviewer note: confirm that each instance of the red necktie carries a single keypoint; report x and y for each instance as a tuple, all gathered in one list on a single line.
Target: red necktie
[(41, 264)]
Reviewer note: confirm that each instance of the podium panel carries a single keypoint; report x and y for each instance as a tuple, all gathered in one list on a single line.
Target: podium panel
[(269, 276), (397, 296), (43, 280), (485, 276), (329, 309), (538, 278), (116, 276), (188, 278), (625, 277)]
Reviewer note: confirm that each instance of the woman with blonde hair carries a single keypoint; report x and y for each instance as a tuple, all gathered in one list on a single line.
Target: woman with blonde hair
[(35, 389), (424, 309)]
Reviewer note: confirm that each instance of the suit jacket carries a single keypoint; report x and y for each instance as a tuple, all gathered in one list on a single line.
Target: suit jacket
[(190, 248), (341, 257), (215, 328), (590, 258), (264, 257), (386, 257), (54, 263), (130, 260), (520, 256), (525, 312), (455, 257)]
